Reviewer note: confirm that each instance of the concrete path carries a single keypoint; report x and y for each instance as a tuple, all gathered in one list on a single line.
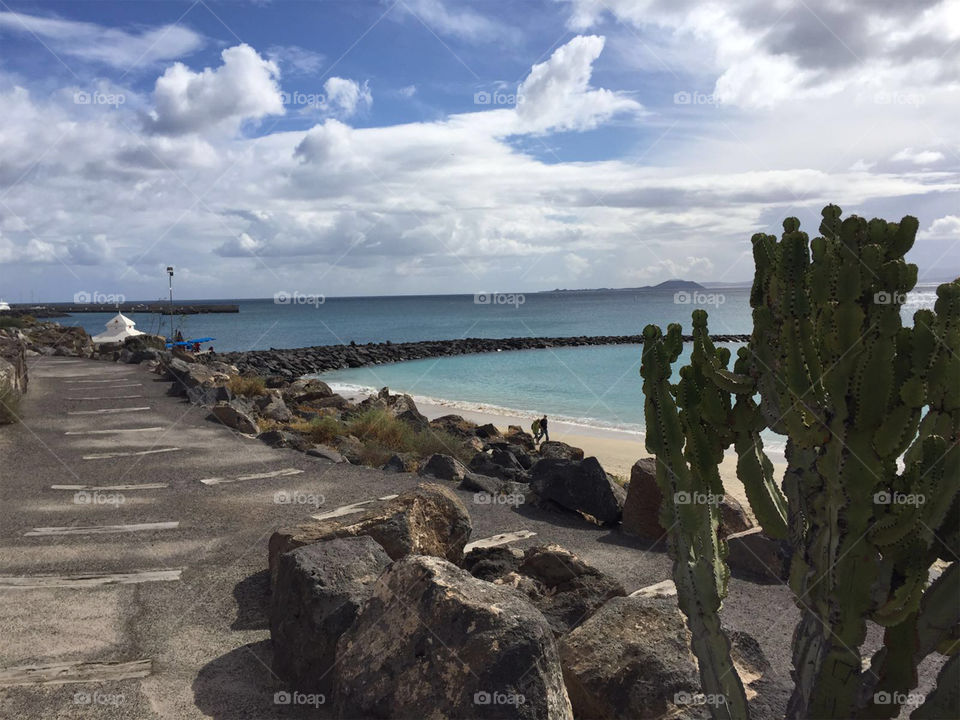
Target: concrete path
[(133, 551)]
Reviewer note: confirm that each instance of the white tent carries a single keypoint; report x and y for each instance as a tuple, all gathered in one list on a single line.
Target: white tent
[(118, 329)]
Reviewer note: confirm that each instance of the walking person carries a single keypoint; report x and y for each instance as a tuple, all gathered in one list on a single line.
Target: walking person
[(535, 428), (543, 429)]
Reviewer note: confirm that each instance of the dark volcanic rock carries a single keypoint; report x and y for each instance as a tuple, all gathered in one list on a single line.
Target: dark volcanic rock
[(557, 449), (572, 590), (641, 510), (317, 597), (754, 555), (456, 647), (237, 415), (483, 464), (284, 439), (630, 661), (454, 425), (396, 464), (443, 467), (580, 486), (427, 520), (492, 563), (326, 453)]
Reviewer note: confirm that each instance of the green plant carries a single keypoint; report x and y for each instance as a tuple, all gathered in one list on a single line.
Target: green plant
[(322, 430), (830, 366)]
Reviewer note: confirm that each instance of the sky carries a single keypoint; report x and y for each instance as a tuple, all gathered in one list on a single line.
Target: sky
[(368, 147)]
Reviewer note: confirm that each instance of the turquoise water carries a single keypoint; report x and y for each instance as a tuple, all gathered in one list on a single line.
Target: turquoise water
[(594, 386)]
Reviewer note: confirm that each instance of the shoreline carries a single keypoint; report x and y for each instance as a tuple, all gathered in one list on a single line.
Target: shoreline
[(616, 449)]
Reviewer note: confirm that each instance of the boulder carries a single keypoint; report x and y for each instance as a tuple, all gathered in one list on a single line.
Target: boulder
[(754, 555), (272, 407), (455, 647), (492, 563), (641, 509), (306, 390), (284, 439), (443, 467), (326, 453), (487, 431), (400, 406), (191, 375), (557, 449), (570, 590), (630, 661), (351, 447), (317, 597), (427, 520), (517, 436), (209, 396), (454, 425), (237, 415), (581, 486), (396, 464), (481, 484), (483, 464), (733, 517)]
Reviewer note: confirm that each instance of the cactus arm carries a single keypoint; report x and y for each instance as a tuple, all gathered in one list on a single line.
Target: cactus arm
[(699, 570)]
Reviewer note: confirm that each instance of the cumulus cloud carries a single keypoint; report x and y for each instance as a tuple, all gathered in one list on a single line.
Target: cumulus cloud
[(346, 97), (557, 95), (244, 87), (111, 46)]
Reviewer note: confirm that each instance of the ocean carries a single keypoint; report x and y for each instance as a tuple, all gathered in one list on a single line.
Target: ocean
[(591, 386)]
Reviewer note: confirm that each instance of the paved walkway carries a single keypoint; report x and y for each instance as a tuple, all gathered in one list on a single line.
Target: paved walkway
[(133, 545)]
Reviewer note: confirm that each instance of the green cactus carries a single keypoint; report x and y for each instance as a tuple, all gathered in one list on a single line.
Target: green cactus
[(830, 366)]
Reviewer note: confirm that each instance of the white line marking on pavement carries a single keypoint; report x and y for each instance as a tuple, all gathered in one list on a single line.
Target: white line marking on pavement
[(74, 672), (119, 378), (110, 455), (114, 430), (108, 411), (112, 397), (111, 488), (256, 476), (350, 509), (29, 582), (501, 539), (101, 529)]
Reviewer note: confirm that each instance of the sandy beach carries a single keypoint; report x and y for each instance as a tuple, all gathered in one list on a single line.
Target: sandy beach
[(617, 450)]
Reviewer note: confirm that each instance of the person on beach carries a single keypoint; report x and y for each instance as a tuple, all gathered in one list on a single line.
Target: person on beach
[(535, 428), (543, 429)]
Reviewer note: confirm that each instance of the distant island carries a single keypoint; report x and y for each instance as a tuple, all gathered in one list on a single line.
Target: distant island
[(673, 285)]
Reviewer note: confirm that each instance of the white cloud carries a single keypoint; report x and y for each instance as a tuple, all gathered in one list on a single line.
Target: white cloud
[(463, 22), (110, 46), (943, 228), (244, 87), (345, 98), (918, 157), (557, 95), (408, 91)]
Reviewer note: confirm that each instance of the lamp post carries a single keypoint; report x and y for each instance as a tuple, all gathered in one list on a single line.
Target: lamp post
[(170, 278)]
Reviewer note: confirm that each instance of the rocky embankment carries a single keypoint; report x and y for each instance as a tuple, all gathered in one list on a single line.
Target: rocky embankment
[(294, 362)]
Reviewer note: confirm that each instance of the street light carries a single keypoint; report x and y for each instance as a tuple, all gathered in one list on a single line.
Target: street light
[(170, 274)]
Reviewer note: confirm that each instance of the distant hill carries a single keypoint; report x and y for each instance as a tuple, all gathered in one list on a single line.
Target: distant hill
[(672, 285)]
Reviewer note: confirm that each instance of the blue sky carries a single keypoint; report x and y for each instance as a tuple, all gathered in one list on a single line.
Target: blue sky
[(426, 146)]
